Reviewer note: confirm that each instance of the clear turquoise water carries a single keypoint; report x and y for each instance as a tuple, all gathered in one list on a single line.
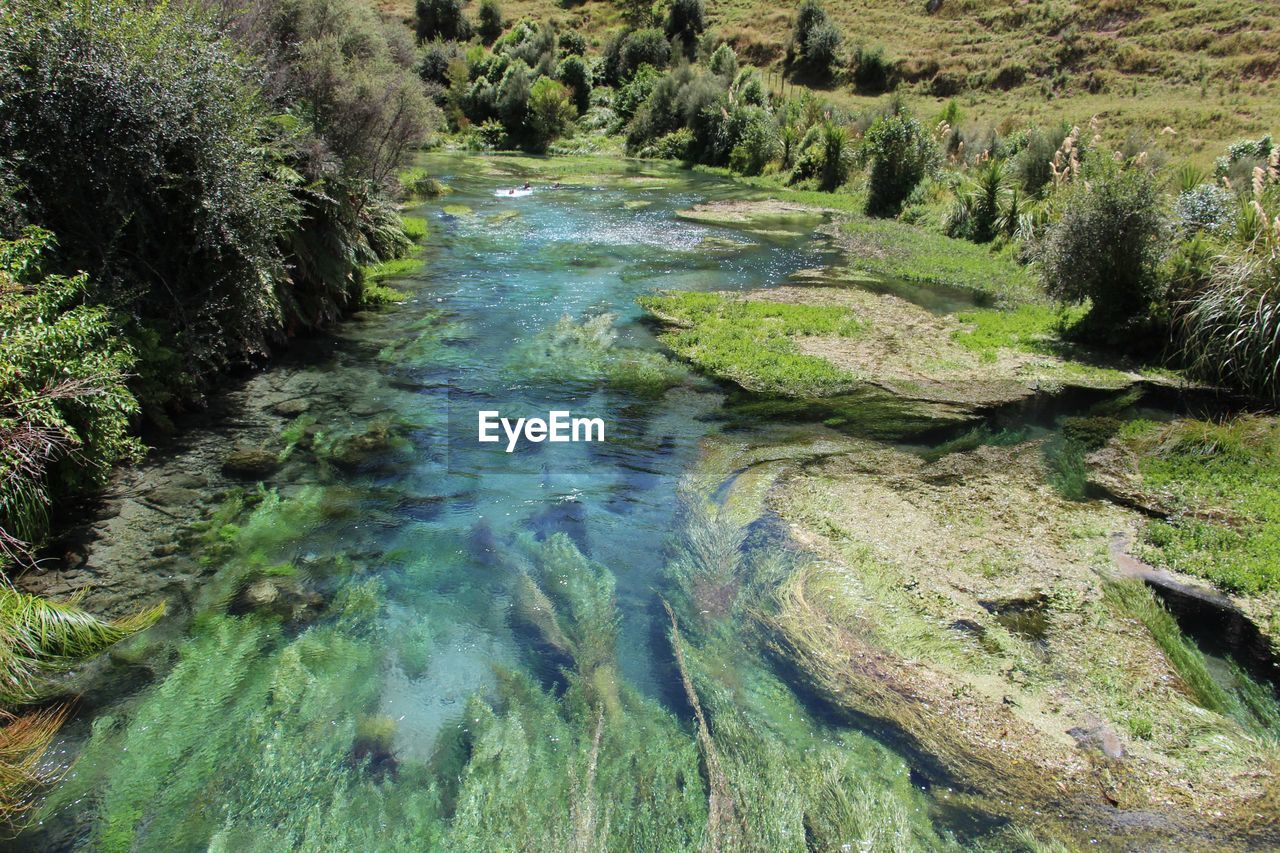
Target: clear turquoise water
[(386, 716)]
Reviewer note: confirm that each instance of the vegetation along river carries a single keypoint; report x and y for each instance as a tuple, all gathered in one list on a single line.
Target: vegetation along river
[(391, 636)]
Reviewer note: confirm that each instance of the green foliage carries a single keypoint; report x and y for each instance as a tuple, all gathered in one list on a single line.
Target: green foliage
[(194, 169), (43, 638), (575, 73), (489, 21), (724, 62), (551, 111), (644, 47), (815, 42), (686, 19), (1032, 166), (872, 72), (1252, 705), (901, 155), (752, 342), (1032, 327), (897, 250), (1108, 243), (987, 207), (1226, 478), (1229, 324), (64, 405), (825, 155), (441, 19)]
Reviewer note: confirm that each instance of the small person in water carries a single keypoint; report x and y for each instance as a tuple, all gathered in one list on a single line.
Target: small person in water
[(527, 186), (511, 192)]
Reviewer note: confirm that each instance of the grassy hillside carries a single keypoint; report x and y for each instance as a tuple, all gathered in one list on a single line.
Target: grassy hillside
[(1207, 69)]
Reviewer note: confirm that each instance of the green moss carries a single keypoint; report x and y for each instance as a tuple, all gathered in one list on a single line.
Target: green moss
[(1033, 328), (414, 227), (1227, 478), (752, 342), (897, 250)]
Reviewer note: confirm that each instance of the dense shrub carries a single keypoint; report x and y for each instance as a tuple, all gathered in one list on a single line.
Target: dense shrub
[(872, 72), (133, 131), (573, 43), (686, 19), (1204, 208), (513, 99), (1107, 245), (644, 47), (435, 59), (531, 43), (575, 73), (724, 62), (64, 407), (815, 42), (489, 21), (901, 154), (551, 111), (824, 156), (441, 19), (1032, 167)]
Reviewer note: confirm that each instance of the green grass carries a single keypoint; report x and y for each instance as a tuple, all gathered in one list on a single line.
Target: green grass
[(752, 342), (1227, 477), (1030, 328), (414, 227), (897, 250)]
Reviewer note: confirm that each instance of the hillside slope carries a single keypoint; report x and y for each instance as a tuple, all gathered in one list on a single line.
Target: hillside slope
[(1208, 69)]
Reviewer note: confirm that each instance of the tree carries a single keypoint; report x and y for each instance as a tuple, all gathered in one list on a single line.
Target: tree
[(724, 62), (815, 42), (551, 111), (901, 156), (441, 19), (489, 20), (686, 19), (575, 73), (644, 47), (1107, 245), (513, 99)]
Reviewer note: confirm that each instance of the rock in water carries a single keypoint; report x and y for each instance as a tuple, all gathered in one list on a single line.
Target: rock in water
[(251, 463)]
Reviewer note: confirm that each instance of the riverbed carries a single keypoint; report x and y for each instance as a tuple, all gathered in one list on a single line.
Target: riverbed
[(390, 634)]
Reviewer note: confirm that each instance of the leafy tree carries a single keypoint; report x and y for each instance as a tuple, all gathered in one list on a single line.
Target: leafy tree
[(815, 42), (824, 156), (686, 19), (132, 130), (575, 73), (441, 19), (644, 47), (489, 20), (513, 99), (551, 111), (724, 62), (1108, 243), (573, 42), (901, 156)]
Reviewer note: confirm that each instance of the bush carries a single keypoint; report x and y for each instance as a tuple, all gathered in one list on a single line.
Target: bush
[(755, 140), (1108, 243), (1033, 165), (724, 62), (513, 99), (686, 19), (551, 111), (135, 130), (824, 156), (64, 407), (815, 42), (573, 43), (575, 73), (435, 59), (901, 156), (644, 47), (1204, 208), (871, 71), (489, 21), (441, 19)]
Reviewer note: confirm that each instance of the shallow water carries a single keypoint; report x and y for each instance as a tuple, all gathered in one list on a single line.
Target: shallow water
[(406, 686)]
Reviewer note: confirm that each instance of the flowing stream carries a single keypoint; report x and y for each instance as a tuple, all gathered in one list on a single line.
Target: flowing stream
[(375, 684)]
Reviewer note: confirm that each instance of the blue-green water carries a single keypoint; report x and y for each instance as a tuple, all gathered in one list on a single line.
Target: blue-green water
[(395, 641)]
